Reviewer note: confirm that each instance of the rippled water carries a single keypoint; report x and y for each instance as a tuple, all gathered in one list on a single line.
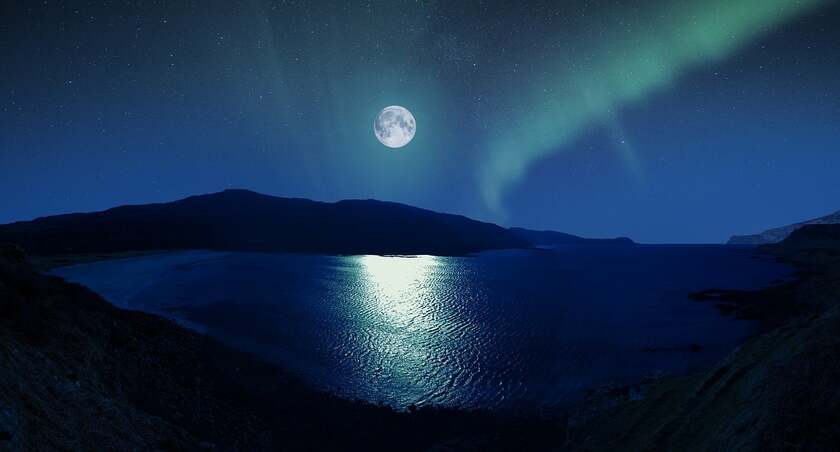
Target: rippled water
[(502, 330)]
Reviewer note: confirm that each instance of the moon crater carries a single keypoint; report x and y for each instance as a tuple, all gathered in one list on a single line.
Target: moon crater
[(394, 126)]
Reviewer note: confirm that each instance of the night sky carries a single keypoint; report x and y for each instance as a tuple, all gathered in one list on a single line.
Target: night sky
[(664, 121)]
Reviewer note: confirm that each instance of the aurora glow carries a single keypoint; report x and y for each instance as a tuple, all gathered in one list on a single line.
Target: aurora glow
[(619, 70), (661, 120)]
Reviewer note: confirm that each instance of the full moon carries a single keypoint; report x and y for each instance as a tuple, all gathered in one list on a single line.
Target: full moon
[(394, 126)]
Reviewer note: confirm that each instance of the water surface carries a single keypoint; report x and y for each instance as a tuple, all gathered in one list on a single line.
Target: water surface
[(515, 329)]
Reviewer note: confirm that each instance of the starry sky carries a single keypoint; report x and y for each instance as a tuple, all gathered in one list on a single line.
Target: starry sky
[(681, 121)]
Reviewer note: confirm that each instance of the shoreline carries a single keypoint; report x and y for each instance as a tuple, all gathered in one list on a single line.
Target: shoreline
[(85, 373), (269, 408), (749, 399), (556, 411), (43, 263)]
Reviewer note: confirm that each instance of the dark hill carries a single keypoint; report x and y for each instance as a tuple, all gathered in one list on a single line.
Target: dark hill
[(778, 234), (814, 236), (816, 242), (243, 220), (551, 238), (247, 221)]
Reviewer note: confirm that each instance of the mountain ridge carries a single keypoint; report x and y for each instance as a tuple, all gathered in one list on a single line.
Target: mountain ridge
[(244, 220), (776, 235)]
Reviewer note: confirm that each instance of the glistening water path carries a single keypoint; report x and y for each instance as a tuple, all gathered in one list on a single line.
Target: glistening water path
[(500, 330)]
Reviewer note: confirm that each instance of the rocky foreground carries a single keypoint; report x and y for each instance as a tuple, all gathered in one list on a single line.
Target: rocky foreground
[(79, 374), (779, 391)]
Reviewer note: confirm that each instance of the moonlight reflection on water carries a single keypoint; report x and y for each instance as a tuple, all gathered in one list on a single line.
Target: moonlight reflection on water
[(403, 322), (397, 285), (511, 329)]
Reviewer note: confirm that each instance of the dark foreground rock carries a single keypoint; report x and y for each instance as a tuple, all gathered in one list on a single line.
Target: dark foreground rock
[(778, 391), (80, 374)]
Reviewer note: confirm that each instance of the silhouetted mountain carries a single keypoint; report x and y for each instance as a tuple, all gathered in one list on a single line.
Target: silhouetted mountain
[(815, 242), (243, 220), (247, 221), (560, 238), (778, 234)]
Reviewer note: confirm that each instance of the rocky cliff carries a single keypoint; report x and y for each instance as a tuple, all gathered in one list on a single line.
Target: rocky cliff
[(778, 234)]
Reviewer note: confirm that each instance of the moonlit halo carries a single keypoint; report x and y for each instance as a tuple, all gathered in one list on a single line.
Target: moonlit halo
[(394, 126)]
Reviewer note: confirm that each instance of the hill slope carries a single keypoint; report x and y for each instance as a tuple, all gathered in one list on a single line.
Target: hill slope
[(778, 234), (243, 220), (779, 391), (551, 238), (247, 221)]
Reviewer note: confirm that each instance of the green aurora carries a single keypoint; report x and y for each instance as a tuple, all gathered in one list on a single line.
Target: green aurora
[(618, 70)]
